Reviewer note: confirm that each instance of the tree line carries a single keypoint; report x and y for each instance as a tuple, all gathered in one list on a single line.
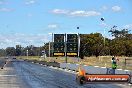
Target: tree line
[(94, 44)]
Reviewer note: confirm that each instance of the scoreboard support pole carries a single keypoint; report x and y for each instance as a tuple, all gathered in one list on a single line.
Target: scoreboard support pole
[(49, 48), (52, 45), (65, 40), (78, 46)]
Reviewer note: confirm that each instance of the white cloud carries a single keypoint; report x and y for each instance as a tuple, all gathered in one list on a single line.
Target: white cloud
[(85, 13), (104, 8), (60, 11), (6, 9), (80, 13), (29, 2), (128, 26), (116, 8), (10, 40), (52, 26)]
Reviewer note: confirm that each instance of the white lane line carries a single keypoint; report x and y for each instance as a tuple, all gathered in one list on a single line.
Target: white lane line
[(64, 70), (69, 70), (73, 71), (129, 84), (7, 75), (60, 69), (119, 69), (51, 66), (103, 67), (126, 70), (6, 63), (96, 66)]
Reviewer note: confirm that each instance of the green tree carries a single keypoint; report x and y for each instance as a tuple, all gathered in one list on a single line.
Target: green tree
[(121, 44), (18, 50), (91, 44), (10, 51), (2, 52), (118, 33)]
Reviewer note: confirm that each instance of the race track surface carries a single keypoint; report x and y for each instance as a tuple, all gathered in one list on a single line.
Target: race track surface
[(22, 74)]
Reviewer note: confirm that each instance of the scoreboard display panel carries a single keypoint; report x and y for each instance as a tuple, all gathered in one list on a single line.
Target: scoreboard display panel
[(72, 47), (72, 44), (72, 38), (58, 38), (59, 45)]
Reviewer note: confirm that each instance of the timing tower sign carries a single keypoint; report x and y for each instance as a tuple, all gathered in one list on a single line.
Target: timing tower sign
[(72, 45), (59, 45), (65, 45)]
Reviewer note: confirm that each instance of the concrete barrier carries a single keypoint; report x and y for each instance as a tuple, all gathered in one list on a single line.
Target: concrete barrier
[(94, 69), (54, 64), (120, 71), (88, 69)]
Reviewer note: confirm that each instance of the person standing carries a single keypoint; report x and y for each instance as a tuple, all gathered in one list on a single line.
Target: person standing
[(114, 64)]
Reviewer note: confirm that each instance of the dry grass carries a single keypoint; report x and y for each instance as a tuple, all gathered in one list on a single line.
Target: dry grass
[(102, 61), (105, 61)]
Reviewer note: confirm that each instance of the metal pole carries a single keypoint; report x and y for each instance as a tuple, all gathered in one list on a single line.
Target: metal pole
[(52, 44), (65, 41), (103, 22), (49, 48), (78, 46)]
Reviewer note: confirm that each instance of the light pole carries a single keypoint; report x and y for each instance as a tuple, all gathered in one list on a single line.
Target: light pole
[(103, 22), (44, 51), (52, 43), (49, 48), (78, 44), (27, 54), (65, 44)]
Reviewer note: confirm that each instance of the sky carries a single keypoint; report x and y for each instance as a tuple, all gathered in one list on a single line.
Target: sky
[(31, 22)]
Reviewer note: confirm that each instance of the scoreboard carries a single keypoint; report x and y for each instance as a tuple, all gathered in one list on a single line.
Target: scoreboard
[(59, 45), (72, 44), (65, 45)]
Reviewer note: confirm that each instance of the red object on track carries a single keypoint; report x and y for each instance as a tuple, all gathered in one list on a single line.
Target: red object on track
[(82, 77)]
